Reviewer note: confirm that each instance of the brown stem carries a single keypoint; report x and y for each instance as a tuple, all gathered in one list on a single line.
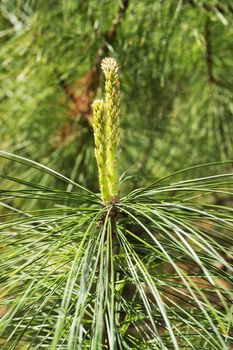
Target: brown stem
[(208, 50)]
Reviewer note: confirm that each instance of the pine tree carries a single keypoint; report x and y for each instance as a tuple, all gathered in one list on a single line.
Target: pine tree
[(140, 256)]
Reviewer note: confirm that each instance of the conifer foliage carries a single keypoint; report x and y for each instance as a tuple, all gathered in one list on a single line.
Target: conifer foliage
[(106, 243), (96, 273)]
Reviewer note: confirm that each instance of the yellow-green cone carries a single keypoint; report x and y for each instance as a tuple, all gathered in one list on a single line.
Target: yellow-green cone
[(112, 106), (106, 120)]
